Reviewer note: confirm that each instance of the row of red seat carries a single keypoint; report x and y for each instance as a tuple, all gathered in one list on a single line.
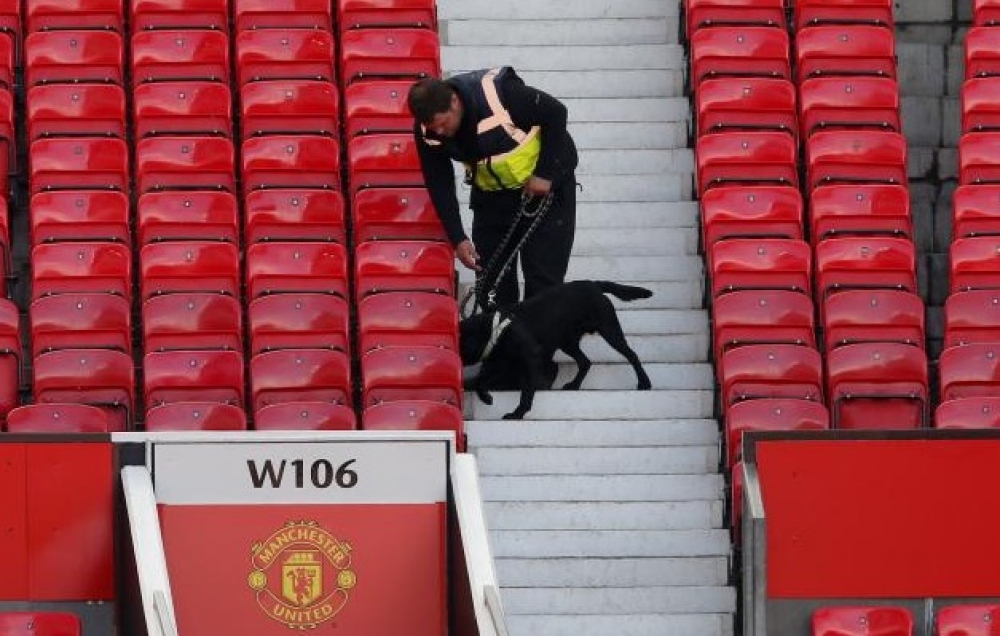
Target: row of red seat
[(894, 620)]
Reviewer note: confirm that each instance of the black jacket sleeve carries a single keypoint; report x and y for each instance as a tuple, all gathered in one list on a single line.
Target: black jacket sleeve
[(439, 177), (530, 107)]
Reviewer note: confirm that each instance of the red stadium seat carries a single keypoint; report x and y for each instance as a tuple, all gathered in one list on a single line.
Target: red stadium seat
[(98, 377), (975, 211), (78, 163), (863, 209), (982, 55), (873, 315), (283, 14), (300, 375), (284, 54), (971, 370), (189, 266), (411, 373), (9, 52), (187, 216), (835, 103), (291, 161), (10, 18), (192, 320), (193, 376), (180, 55), (404, 266), (299, 321), (383, 160), (388, 53), (864, 263), (855, 156), (844, 50), (285, 107), (185, 163), (296, 267), (395, 213), (40, 624), (290, 214), (739, 51), (305, 416), (977, 158), (407, 318), (760, 264), (180, 14), (980, 99), (975, 413), (80, 321), (357, 14), (975, 263), (716, 13), (183, 107), (751, 212), (69, 215), (968, 619), (972, 316), (817, 12), (73, 56), (8, 136), (416, 415), (195, 416), (376, 106), (759, 371), (746, 158), (56, 110), (746, 103), (877, 385), (985, 13), (862, 621), (50, 15), (54, 418), (766, 316), (10, 355), (771, 414), (81, 267)]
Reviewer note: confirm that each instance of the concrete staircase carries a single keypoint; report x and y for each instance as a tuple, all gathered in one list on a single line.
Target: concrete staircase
[(606, 505)]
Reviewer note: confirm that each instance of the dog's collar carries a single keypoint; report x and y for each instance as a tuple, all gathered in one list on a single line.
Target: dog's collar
[(500, 324)]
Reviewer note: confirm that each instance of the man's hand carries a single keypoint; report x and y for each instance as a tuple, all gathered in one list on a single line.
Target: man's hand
[(537, 187), (466, 252)]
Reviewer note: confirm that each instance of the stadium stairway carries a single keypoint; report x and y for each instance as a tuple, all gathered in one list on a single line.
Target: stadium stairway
[(606, 505)]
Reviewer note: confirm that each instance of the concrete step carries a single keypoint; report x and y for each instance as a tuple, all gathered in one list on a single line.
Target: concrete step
[(563, 488), (585, 572), (636, 600), (618, 267), (673, 349), (517, 32), (689, 460), (605, 405), (608, 214), (687, 294), (657, 241), (621, 625), (676, 432), (647, 109), (633, 160), (672, 515), (664, 376), (609, 543), (656, 135), (576, 56), (623, 84), (576, 10)]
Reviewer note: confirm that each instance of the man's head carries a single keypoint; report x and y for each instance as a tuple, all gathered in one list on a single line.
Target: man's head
[(435, 104)]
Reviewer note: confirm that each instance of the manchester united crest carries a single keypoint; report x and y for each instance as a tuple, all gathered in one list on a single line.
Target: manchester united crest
[(301, 574)]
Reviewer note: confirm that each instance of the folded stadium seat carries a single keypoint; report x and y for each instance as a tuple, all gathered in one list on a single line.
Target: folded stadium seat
[(195, 416), (416, 415), (214, 375), (862, 621), (93, 110), (380, 160), (10, 355), (8, 135), (388, 53), (817, 12), (180, 55), (862, 209), (985, 12), (78, 163), (968, 619), (395, 213), (739, 51), (300, 375), (55, 418), (404, 266), (877, 385), (746, 158), (192, 320), (73, 57), (844, 50), (972, 316), (759, 371), (855, 156), (40, 624), (182, 107), (771, 414), (189, 266), (971, 412), (299, 321), (755, 263), (285, 107), (80, 321), (751, 212), (283, 14), (290, 214), (187, 216), (975, 211), (50, 15), (180, 14), (419, 372), (86, 266), (982, 52), (980, 100), (864, 262), (974, 263), (283, 54), (296, 267), (971, 370), (291, 161), (977, 153), (716, 13), (98, 377), (746, 103), (75, 215), (10, 19), (184, 163), (9, 53), (407, 318), (358, 14), (305, 416), (762, 316), (835, 103), (873, 315), (377, 105)]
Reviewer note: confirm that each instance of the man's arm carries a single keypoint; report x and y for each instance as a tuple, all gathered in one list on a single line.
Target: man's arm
[(439, 177), (530, 107)]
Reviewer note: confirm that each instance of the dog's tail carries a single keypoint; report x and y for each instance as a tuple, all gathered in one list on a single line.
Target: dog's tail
[(624, 292)]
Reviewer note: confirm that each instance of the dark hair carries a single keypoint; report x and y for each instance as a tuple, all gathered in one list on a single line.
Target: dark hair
[(429, 97)]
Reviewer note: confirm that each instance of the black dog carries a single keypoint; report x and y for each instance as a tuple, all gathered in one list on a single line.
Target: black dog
[(516, 344)]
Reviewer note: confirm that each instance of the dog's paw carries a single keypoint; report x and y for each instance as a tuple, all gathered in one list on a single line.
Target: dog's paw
[(485, 397), (571, 386), (513, 415), (645, 385)]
